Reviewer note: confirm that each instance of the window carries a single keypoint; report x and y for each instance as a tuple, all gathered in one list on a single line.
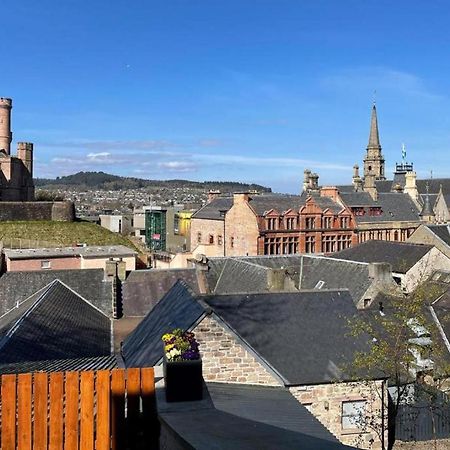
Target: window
[(345, 222), (352, 414), (46, 265), (328, 222), (328, 244), (199, 237), (310, 223), (272, 223), (232, 242), (176, 224), (211, 239), (290, 223), (219, 240), (310, 244)]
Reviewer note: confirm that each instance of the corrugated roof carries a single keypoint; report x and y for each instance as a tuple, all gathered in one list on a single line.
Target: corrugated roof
[(61, 365)]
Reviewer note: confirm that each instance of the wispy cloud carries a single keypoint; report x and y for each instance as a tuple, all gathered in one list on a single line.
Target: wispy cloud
[(384, 79)]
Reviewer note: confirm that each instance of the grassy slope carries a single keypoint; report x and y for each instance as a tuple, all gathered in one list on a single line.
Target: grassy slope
[(62, 233)]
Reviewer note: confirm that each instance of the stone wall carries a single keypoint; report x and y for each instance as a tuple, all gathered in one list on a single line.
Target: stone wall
[(325, 401), (226, 360), (439, 444), (59, 211), (203, 229), (241, 225)]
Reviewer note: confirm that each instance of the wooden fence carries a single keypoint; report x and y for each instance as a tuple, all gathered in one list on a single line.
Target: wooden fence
[(88, 410)]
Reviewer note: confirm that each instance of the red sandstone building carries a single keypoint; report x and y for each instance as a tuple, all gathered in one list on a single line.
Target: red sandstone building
[(273, 224)]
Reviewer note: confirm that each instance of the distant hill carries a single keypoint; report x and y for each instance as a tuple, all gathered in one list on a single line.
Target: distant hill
[(102, 180)]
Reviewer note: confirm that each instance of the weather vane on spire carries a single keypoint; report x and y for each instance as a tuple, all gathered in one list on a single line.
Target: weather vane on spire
[(403, 152), (374, 97)]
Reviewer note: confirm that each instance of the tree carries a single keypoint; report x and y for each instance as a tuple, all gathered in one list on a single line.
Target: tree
[(406, 346)]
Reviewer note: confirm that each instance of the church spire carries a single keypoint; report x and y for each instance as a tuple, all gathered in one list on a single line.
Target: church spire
[(374, 137), (374, 160)]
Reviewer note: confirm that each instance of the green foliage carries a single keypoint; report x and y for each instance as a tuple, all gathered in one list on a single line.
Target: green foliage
[(47, 196)]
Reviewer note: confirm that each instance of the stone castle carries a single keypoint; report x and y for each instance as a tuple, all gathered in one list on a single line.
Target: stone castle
[(16, 172), (16, 179)]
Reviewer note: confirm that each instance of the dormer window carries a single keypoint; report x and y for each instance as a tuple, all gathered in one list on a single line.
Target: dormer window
[(272, 223), (310, 223)]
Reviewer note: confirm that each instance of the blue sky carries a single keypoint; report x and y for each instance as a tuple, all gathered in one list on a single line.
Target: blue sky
[(246, 90)]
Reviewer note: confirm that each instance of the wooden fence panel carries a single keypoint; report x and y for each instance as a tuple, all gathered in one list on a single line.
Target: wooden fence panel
[(40, 419), (103, 410), (90, 410), (56, 429), (71, 418), (118, 409), (8, 412), (87, 411), (24, 428)]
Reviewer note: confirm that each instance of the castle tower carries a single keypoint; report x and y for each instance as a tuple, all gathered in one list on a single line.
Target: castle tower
[(25, 153), (5, 125), (374, 160)]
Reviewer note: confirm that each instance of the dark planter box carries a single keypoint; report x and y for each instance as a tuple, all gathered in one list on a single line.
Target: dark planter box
[(183, 380)]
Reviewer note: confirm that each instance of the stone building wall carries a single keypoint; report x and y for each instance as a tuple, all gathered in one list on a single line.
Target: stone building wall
[(59, 211), (226, 360), (204, 229), (325, 402), (241, 225)]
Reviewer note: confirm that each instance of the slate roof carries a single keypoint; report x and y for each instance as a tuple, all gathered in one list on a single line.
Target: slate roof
[(335, 274), (281, 203), (62, 365), (264, 203), (303, 336), (143, 289), (89, 283), (55, 324), (441, 231), (357, 199), (395, 207), (249, 274), (238, 417), (400, 255), (212, 210), (177, 309)]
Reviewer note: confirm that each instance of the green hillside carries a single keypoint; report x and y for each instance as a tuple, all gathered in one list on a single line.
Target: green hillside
[(61, 233)]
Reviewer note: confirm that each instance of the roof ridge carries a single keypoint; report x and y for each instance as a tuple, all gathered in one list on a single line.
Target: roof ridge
[(4, 340), (81, 297)]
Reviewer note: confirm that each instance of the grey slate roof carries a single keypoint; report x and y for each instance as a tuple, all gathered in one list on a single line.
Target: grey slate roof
[(89, 283), (264, 203), (237, 417), (335, 274), (303, 336), (177, 309), (395, 207), (441, 231), (357, 199), (143, 289), (62, 365), (281, 203), (249, 274), (57, 324), (400, 255), (212, 210)]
